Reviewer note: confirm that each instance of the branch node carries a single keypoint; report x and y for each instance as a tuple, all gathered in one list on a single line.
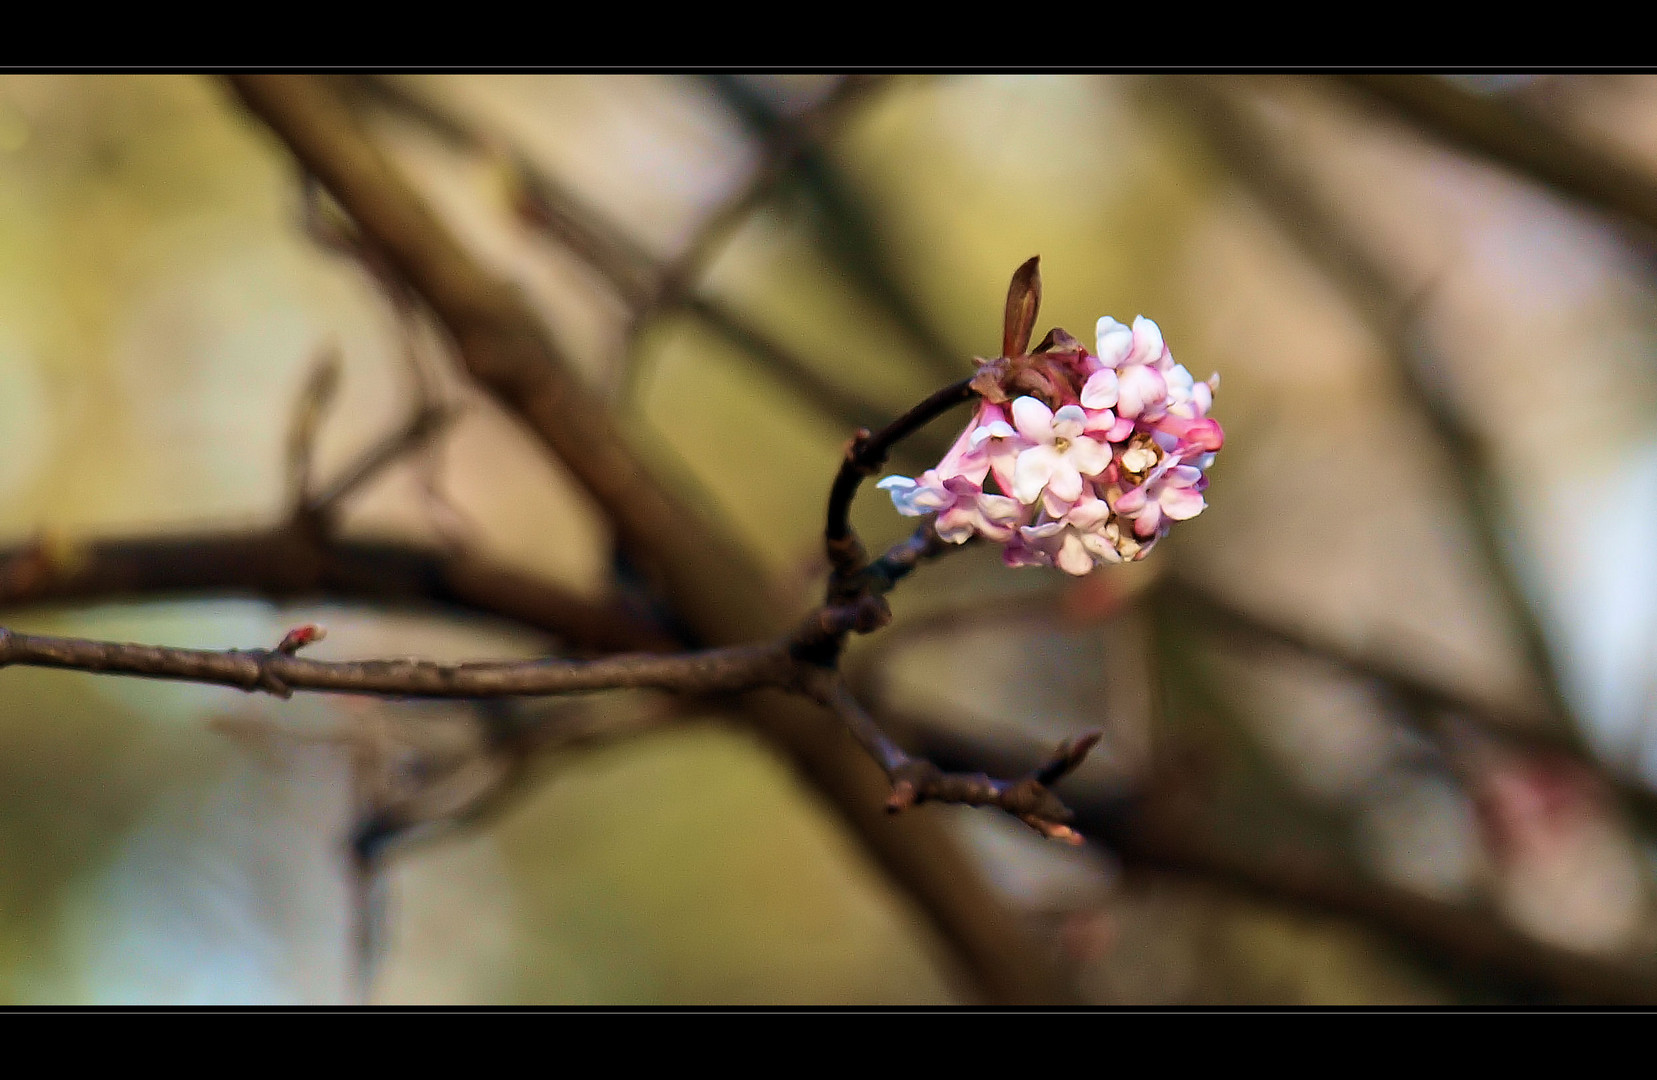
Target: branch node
[(263, 677)]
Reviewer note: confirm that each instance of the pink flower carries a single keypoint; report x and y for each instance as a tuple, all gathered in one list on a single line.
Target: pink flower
[(974, 512), (1092, 458), (1058, 455), (1171, 490), (1138, 359)]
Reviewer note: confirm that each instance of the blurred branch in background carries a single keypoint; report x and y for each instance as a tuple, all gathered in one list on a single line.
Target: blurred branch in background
[(651, 286), (849, 233), (1276, 174), (1161, 819), (1522, 140), (1164, 826)]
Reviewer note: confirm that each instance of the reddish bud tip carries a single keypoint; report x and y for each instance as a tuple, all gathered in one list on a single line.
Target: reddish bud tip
[(301, 636)]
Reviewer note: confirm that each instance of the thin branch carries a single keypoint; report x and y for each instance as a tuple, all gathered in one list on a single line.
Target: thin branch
[(279, 672), (318, 393), (846, 223), (1424, 702), (916, 780), (865, 454), (427, 423), (781, 149)]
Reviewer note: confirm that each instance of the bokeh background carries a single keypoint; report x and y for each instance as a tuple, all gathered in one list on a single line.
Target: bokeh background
[(1395, 683)]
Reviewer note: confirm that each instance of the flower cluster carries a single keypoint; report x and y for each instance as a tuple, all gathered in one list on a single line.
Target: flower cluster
[(1091, 454)]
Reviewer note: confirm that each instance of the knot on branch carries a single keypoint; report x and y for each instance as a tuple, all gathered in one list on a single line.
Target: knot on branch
[(262, 677), (864, 455), (819, 639)]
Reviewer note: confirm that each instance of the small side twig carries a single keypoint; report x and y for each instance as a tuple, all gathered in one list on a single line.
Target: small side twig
[(427, 423), (318, 393), (915, 780)]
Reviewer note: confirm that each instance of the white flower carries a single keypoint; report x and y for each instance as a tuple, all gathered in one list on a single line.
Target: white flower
[(1059, 455)]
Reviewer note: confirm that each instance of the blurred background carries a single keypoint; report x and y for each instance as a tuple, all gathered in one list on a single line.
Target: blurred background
[(1379, 723)]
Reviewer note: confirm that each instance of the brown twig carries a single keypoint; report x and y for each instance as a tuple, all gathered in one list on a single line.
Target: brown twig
[(916, 780), (865, 453), (314, 399), (780, 151), (427, 423), (280, 672)]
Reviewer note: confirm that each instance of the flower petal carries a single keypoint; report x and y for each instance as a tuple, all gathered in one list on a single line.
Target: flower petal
[(1180, 383), (1073, 557), (1088, 514), (1202, 398), (1069, 422), (1101, 547), (1035, 469), (902, 490), (1181, 503), (997, 429), (1099, 392), (1132, 501), (1033, 419), (1000, 509), (1066, 481), (1089, 456), (1053, 505), (1140, 387), (1147, 342), (1113, 340), (956, 525)]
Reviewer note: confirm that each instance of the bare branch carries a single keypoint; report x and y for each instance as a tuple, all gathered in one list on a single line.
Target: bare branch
[(280, 672), (865, 454), (649, 285), (846, 223), (915, 780), (314, 400), (428, 422), (781, 152)]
